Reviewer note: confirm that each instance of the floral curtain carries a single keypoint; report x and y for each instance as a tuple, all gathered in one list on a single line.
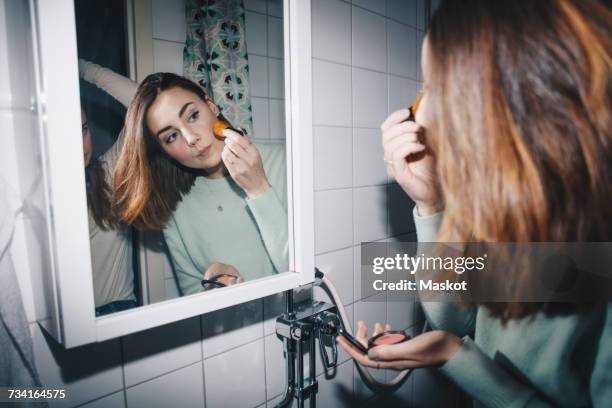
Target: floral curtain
[(215, 56)]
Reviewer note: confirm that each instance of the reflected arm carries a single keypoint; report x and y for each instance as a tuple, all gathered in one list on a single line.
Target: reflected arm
[(270, 209), (119, 87)]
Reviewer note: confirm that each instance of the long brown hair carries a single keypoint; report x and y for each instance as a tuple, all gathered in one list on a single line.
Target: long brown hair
[(148, 184), (520, 93), (98, 195)]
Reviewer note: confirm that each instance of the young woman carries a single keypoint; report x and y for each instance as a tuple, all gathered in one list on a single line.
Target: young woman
[(516, 108), (110, 241), (221, 203)]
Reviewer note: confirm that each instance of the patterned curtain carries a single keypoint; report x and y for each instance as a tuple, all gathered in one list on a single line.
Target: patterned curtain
[(215, 56)]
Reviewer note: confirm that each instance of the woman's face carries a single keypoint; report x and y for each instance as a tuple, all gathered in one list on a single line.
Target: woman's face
[(182, 124), (87, 147)]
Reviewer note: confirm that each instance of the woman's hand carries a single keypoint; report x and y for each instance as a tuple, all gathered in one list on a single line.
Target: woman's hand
[(409, 162), (216, 269), (428, 349), (244, 164)]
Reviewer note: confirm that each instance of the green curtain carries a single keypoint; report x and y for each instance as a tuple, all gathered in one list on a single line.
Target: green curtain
[(215, 56)]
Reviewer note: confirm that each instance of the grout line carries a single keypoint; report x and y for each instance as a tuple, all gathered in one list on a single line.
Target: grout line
[(122, 355), (240, 345), (202, 359), (169, 41), (163, 374)]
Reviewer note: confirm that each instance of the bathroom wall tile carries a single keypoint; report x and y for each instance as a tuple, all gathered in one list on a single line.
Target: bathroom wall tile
[(369, 46), (377, 6), (256, 5), (277, 79), (369, 98), (331, 30), (400, 207), (333, 161), (421, 18), (402, 49), (338, 268), (402, 92), (333, 220), (239, 373), (89, 372), (256, 33), (419, 46), (331, 94), (400, 315), (16, 67), (261, 118), (370, 214), (169, 20), (368, 166), (157, 351), (371, 311), (359, 272), (273, 306), (276, 376), (168, 56), (30, 253), (275, 8), (227, 328), (185, 386), (278, 130), (116, 400), (402, 10), (258, 71), (337, 391), (275, 37)]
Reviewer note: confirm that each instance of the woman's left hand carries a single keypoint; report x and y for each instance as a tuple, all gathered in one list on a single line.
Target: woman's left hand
[(244, 164), (428, 349)]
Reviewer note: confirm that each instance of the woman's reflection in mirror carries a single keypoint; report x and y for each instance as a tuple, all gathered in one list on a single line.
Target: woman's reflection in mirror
[(222, 204), (110, 241)]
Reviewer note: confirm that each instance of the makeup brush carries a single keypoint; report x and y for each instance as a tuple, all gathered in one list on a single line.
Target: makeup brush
[(220, 126)]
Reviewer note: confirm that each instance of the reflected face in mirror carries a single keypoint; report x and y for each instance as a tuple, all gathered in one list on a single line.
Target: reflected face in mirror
[(87, 146), (182, 124)]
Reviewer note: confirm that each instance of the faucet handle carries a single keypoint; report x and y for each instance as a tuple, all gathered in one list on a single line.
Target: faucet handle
[(328, 324)]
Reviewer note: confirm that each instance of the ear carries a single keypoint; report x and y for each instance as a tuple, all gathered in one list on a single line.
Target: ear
[(212, 106)]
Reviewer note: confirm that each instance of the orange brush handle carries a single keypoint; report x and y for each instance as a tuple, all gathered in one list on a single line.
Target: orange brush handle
[(220, 126)]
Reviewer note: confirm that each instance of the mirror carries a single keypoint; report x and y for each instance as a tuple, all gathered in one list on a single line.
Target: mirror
[(175, 209)]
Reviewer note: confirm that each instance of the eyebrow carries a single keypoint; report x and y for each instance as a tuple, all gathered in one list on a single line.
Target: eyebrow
[(181, 111)]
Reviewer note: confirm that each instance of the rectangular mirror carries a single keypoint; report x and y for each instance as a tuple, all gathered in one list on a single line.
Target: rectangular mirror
[(172, 215)]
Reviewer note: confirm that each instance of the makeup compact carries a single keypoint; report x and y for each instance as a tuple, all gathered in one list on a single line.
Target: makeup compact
[(220, 125), (384, 338)]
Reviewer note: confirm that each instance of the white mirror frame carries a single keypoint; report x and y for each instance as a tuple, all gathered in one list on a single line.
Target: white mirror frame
[(70, 297)]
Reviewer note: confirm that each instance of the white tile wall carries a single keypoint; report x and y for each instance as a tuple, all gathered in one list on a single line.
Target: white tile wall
[(403, 11), (333, 220), (370, 214), (154, 352), (258, 69), (402, 49), (277, 120), (377, 6), (182, 387), (256, 33), (169, 20), (333, 157), (116, 400), (369, 43), (331, 90), (237, 378), (168, 56), (368, 158), (331, 30), (369, 98)]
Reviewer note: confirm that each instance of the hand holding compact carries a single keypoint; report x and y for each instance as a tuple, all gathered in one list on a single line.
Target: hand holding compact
[(428, 349), (244, 164), (409, 162), (218, 275)]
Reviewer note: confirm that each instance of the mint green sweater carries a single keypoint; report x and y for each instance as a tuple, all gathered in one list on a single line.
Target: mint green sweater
[(215, 222), (563, 361)]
